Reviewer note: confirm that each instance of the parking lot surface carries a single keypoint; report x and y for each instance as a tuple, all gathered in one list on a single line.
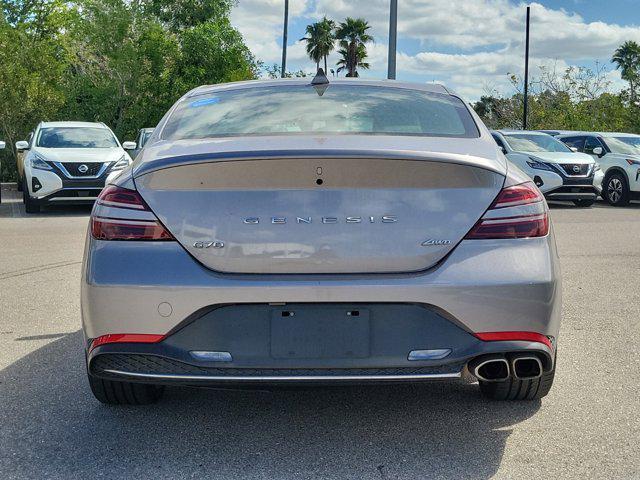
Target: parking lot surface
[(588, 426)]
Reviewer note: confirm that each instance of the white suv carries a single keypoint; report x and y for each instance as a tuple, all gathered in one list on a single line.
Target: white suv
[(619, 156), (70, 162), (559, 172)]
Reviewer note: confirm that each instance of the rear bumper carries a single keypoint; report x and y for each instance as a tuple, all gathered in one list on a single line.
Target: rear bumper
[(156, 288), (311, 343)]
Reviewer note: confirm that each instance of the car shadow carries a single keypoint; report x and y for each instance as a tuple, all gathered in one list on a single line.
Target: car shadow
[(52, 426)]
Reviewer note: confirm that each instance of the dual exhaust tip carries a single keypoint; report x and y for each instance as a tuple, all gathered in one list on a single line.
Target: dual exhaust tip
[(498, 368)]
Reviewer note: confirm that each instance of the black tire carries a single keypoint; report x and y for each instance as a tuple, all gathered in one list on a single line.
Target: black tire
[(615, 190), (514, 389), (20, 184), (584, 203), (29, 205), (124, 393)]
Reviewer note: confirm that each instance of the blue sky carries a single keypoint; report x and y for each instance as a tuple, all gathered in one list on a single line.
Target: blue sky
[(470, 45)]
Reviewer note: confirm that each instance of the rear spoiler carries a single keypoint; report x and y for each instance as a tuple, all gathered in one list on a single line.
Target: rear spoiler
[(146, 167)]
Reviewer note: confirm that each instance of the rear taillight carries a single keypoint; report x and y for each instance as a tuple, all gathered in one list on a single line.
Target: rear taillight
[(519, 211), (122, 214)]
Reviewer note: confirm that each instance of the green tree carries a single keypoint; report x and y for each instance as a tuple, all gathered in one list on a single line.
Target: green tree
[(353, 37), (313, 40), (627, 60), (361, 57)]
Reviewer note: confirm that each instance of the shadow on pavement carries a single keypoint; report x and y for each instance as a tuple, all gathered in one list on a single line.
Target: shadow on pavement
[(52, 427)]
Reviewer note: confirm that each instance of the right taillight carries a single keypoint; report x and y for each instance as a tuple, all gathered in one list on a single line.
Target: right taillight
[(122, 214), (519, 211)]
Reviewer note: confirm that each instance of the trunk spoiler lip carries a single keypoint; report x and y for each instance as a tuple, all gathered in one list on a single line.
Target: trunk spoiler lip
[(485, 163)]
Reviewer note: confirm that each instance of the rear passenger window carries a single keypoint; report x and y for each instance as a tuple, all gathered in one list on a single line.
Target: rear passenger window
[(576, 142)]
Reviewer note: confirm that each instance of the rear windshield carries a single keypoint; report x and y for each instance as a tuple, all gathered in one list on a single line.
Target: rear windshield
[(521, 142), (302, 109), (76, 137)]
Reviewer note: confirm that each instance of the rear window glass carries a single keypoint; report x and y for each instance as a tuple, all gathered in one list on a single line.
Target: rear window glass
[(300, 109)]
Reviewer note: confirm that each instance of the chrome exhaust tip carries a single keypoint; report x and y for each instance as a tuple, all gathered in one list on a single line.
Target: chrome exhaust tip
[(526, 367), (491, 369)]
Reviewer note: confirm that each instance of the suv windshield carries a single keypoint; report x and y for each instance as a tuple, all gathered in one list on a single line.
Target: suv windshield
[(76, 137), (521, 142), (300, 109), (624, 145)]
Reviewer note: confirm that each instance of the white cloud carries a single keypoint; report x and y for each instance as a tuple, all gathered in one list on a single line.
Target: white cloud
[(466, 44)]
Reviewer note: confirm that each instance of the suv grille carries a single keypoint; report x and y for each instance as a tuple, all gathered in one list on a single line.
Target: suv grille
[(92, 169), (575, 169)]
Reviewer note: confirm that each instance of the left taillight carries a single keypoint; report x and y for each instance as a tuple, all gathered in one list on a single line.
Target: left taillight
[(519, 211), (122, 214)]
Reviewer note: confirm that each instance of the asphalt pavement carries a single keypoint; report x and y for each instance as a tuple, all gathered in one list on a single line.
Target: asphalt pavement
[(587, 427)]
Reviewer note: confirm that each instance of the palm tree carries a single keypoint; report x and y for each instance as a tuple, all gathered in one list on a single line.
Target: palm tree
[(328, 40), (627, 60), (353, 37), (313, 39), (320, 41), (361, 56)]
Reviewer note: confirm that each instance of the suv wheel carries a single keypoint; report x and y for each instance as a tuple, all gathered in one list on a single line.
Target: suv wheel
[(616, 190), (124, 393), (514, 389), (29, 205)]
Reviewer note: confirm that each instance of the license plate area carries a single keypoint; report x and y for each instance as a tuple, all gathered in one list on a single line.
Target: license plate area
[(320, 332)]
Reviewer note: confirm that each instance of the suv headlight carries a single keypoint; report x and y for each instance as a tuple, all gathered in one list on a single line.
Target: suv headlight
[(123, 162), (533, 163), (39, 163)]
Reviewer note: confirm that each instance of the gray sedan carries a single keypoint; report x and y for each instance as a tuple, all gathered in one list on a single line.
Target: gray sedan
[(288, 232)]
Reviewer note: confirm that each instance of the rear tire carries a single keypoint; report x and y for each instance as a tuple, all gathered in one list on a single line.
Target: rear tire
[(514, 389), (124, 393), (584, 203), (20, 184), (616, 190)]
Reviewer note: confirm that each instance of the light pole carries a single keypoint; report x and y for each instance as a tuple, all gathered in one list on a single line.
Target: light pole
[(393, 38), (526, 73), (284, 39)]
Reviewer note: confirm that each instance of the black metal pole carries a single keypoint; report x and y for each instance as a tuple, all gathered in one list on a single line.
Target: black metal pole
[(526, 73), (284, 39), (393, 35)]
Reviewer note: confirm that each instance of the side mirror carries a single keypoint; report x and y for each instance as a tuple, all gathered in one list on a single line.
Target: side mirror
[(598, 151), (2, 144), (573, 149), (129, 145), (22, 145)]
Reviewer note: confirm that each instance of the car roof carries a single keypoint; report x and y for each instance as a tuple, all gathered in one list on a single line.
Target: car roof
[(601, 134), (427, 87), (73, 124), (527, 132)]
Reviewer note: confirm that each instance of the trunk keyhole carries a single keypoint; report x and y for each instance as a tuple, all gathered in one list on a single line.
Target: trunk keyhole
[(287, 314)]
